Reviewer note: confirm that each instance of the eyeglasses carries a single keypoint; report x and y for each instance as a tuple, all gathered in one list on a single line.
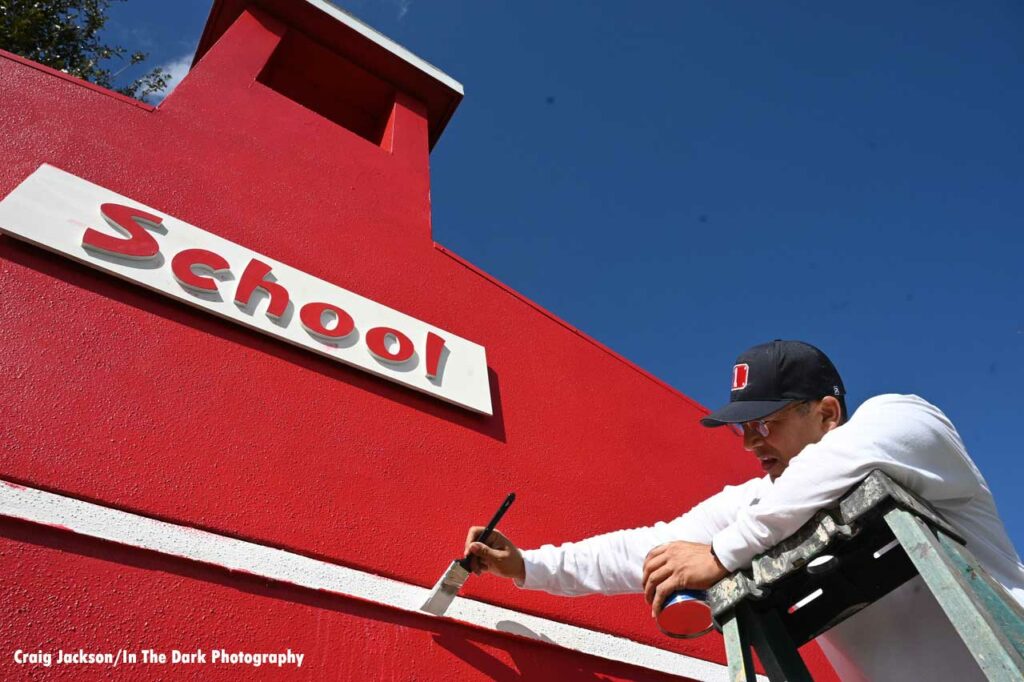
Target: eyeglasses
[(762, 426)]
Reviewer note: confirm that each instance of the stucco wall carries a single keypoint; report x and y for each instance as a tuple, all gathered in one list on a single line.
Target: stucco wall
[(117, 396)]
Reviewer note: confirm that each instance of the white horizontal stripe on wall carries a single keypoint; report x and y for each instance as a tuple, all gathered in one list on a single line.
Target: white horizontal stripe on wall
[(133, 530)]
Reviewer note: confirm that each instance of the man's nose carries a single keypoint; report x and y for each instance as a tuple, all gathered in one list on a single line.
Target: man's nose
[(751, 438)]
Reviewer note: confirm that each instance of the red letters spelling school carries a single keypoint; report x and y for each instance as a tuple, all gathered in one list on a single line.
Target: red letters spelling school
[(296, 469)]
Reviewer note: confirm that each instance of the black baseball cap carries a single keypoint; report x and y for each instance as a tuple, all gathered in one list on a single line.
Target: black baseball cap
[(772, 375)]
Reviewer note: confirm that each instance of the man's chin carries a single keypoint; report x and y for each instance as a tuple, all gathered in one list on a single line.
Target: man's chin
[(773, 468)]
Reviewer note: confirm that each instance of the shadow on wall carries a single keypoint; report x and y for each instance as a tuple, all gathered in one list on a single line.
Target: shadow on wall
[(106, 285), (533, 656), (531, 663)]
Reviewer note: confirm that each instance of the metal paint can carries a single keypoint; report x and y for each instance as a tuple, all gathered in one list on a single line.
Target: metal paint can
[(686, 614)]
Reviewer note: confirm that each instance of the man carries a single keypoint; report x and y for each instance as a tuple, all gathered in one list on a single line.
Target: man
[(787, 401)]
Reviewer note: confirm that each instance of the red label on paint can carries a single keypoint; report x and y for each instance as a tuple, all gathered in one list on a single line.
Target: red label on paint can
[(686, 615)]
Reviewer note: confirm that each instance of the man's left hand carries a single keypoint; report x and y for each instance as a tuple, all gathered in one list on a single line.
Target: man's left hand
[(679, 566)]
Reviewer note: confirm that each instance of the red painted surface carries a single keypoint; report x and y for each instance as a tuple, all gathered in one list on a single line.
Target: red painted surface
[(139, 244), (256, 277), (312, 319), (107, 597), (122, 397), (182, 264)]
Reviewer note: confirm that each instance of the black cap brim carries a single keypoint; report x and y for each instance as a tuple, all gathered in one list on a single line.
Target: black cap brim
[(744, 411)]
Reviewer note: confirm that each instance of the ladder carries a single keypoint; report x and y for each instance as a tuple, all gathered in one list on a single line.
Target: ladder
[(876, 538)]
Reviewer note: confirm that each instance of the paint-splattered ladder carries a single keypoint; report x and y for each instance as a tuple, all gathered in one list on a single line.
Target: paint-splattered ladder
[(879, 536)]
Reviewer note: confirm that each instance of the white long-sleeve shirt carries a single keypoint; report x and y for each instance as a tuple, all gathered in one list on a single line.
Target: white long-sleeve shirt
[(902, 636)]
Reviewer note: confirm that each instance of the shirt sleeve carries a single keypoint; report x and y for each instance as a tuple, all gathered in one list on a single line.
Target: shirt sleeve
[(613, 563), (906, 437)]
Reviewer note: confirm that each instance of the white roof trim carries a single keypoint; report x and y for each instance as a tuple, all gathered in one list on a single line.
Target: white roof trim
[(388, 44)]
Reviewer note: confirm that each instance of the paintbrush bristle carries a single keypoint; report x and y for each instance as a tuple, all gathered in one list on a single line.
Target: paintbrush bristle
[(445, 589)]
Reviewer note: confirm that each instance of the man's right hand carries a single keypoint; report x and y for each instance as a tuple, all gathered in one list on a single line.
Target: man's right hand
[(499, 556)]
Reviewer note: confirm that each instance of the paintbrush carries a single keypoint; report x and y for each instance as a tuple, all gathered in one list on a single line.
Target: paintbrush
[(452, 580)]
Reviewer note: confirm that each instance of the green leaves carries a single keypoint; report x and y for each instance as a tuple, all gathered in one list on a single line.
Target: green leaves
[(65, 35)]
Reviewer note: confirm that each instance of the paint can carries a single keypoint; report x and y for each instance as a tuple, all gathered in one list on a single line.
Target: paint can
[(686, 614)]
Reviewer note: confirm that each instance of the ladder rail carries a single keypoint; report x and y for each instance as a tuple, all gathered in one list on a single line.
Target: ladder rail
[(1004, 608), (753, 608), (991, 648), (737, 651)]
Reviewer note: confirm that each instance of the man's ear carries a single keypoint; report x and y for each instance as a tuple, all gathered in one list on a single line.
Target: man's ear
[(831, 412)]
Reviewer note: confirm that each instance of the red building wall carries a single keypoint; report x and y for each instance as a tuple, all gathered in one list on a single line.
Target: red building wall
[(118, 396)]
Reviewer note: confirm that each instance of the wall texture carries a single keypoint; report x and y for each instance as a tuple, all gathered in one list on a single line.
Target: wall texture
[(117, 396)]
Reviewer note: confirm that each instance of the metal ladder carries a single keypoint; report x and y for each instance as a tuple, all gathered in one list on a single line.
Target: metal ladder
[(878, 536)]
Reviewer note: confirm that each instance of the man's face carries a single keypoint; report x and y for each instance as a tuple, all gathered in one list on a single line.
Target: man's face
[(790, 430)]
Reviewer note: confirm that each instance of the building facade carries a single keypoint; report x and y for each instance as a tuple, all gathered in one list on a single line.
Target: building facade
[(278, 448)]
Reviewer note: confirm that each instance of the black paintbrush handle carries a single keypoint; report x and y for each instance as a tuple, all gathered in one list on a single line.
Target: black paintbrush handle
[(482, 538)]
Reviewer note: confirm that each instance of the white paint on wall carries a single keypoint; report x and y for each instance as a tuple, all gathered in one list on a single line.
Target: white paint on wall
[(133, 530)]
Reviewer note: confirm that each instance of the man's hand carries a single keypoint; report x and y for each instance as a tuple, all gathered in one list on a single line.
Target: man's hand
[(499, 556), (679, 566)]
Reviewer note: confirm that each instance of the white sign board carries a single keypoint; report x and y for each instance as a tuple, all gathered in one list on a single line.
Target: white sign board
[(100, 228)]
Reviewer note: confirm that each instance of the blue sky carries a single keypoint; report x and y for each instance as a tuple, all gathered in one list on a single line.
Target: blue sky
[(681, 180)]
